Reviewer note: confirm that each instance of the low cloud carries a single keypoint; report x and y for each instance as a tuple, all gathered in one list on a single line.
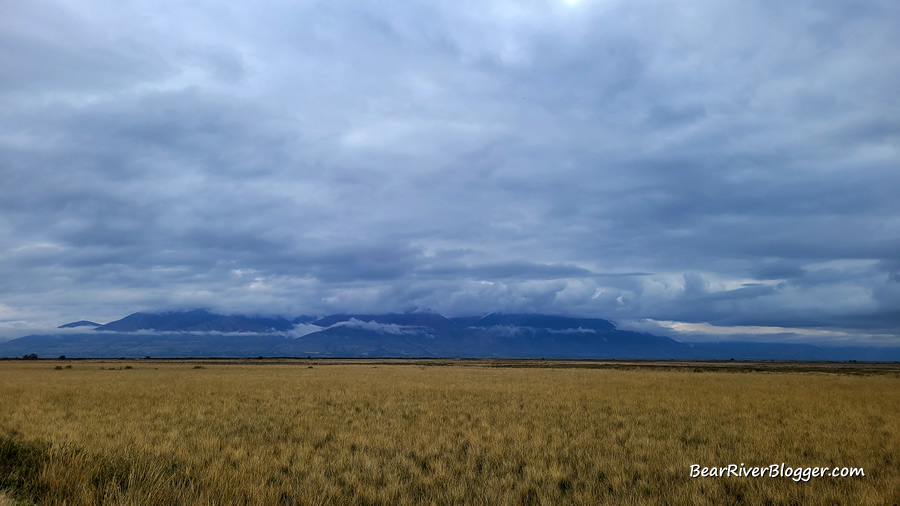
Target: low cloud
[(383, 328), (302, 329), (704, 332)]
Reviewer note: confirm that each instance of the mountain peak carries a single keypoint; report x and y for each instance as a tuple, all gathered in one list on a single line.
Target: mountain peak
[(79, 323), (196, 320)]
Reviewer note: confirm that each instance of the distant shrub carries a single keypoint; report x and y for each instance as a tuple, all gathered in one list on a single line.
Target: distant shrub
[(62, 357), (58, 368), (199, 367), (128, 367), (30, 356), (68, 367)]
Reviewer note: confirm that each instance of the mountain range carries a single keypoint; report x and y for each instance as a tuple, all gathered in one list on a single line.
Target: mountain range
[(200, 333)]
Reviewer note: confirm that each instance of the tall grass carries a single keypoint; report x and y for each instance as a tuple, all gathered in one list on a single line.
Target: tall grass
[(408, 434)]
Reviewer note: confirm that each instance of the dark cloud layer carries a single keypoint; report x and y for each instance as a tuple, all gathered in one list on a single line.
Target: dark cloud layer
[(723, 163)]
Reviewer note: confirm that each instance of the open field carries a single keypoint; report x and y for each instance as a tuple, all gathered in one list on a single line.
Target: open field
[(473, 432)]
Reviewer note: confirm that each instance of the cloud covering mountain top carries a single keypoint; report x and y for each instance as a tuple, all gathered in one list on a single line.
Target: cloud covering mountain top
[(178, 334)]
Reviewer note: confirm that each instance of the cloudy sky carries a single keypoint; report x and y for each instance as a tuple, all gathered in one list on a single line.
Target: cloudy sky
[(702, 168)]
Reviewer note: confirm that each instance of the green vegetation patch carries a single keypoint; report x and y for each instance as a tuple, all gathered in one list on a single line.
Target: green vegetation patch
[(21, 464)]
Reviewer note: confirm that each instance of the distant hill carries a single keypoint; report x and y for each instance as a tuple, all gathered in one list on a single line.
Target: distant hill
[(196, 321), (79, 323), (200, 333)]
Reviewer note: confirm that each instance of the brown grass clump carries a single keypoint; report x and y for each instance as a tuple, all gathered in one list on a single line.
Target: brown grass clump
[(396, 434)]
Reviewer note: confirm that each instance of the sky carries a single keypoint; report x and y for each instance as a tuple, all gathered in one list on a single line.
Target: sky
[(711, 170)]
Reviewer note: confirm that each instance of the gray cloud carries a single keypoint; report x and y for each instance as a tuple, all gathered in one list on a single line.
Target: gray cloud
[(733, 163)]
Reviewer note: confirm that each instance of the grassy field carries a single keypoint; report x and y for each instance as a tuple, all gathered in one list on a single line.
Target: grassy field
[(153, 432)]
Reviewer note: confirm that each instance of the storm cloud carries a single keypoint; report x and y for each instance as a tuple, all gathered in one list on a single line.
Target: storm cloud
[(721, 164)]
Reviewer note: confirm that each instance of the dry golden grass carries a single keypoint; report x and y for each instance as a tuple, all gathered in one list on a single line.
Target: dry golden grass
[(5, 500), (167, 433)]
